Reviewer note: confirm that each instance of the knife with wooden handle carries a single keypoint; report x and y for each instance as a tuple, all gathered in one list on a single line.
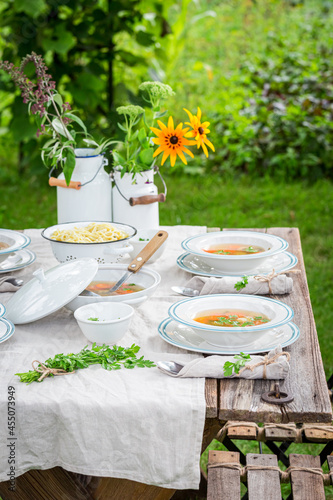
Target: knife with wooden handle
[(143, 257)]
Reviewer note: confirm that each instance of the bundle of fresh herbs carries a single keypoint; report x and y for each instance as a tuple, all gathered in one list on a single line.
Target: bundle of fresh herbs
[(110, 357)]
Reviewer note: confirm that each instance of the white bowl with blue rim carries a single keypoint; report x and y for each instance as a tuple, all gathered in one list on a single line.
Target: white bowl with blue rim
[(202, 244), (11, 241), (185, 312)]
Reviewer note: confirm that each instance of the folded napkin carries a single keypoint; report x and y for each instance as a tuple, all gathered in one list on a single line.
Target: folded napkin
[(5, 286), (262, 285), (273, 366)]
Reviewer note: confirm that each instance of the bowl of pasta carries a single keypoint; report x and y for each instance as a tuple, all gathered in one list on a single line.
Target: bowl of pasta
[(107, 242)]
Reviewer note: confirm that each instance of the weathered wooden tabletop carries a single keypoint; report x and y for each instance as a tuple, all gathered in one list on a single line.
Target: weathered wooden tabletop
[(241, 399)]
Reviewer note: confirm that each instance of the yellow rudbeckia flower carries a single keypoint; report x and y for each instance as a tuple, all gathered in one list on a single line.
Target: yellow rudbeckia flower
[(200, 131), (171, 141)]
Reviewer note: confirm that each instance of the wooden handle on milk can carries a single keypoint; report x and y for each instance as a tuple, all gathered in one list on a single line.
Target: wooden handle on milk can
[(146, 200), (145, 254), (53, 181)]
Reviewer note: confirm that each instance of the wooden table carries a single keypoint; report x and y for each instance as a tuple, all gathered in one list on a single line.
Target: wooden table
[(227, 400)]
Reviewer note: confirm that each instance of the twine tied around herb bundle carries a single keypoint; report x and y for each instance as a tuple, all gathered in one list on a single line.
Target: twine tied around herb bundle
[(266, 361), (269, 277), (45, 371)]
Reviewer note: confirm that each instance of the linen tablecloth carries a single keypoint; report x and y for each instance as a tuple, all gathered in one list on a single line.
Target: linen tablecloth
[(136, 424)]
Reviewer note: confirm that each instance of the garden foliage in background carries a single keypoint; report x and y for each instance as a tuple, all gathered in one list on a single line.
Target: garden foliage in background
[(260, 70)]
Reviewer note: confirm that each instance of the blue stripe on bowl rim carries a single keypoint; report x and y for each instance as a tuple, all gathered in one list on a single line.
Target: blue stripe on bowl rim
[(164, 335), (183, 256), (9, 330), (2, 310), (20, 266), (173, 315), (269, 253)]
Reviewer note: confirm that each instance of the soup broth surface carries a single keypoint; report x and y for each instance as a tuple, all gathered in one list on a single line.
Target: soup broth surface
[(234, 249), (232, 318), (3, 245), (102, 287)]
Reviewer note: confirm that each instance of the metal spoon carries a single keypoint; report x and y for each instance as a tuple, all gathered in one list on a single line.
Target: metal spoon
[(169, 367), (182, 290), (14, 281)]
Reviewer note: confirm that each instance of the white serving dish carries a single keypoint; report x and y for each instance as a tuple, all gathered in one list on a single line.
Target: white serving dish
[(146, 235), (186, 310), (184, 337), (113, 321), (107, 252), (234, 264), (147, 278), (14, 239)]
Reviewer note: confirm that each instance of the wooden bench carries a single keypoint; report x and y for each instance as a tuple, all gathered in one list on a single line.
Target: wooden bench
[(263, 476)]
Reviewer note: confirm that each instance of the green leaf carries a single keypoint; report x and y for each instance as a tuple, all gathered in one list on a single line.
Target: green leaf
[(32, 8), (118, 159), (146, 156), (58, 100), (77, 120), (61, 129), (124, 129), (69, 165), (59, 40)]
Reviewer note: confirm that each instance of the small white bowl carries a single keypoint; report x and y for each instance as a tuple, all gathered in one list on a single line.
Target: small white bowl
[(140, 240), (106, 252), (15, 241), (186, 310), (113, 321), (235, 264), (147, 278)]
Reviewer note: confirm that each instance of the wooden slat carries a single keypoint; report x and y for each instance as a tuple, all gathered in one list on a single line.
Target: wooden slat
[(318, 435), (263, 484), (124, 489), (223, 483), (241, 399), (211, 394), (280, 434), (305, 485), (330, 466), (242, 432), (52, 484)]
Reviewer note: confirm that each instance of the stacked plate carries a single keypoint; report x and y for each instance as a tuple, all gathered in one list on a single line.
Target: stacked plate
[(6, 327), (229, 324), (13, 252), (235, 253)]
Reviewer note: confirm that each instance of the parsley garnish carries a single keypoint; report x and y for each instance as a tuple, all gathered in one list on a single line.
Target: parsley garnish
[(241, 360), (241, 284), (93, 319), (110, 357), (143, 239)]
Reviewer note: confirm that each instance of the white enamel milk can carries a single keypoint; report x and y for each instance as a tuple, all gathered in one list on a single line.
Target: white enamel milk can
[(135, 199), (88, 197)]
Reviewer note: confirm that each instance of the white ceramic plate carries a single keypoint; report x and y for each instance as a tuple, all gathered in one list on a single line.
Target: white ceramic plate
[(17, 260), (6, 329), (280, 263), (184, 337)]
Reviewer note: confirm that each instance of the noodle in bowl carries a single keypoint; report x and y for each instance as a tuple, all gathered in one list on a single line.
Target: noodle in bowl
[(107, 242)]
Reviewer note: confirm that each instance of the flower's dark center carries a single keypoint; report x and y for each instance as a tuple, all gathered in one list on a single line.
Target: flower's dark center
[(201, 130), (173, 139)]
